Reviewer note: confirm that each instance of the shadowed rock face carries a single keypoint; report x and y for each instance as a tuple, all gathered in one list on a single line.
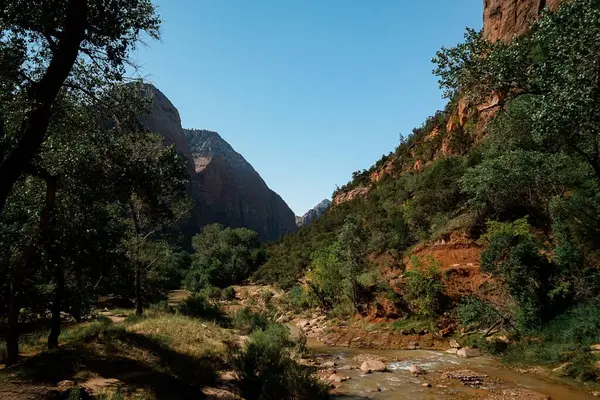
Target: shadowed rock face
[(313, 214), (230, 190), (505, 19), (224, 186)]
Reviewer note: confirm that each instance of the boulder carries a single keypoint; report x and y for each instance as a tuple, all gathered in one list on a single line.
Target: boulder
[(454, 344), (562, 369), (467, 352), (452, 351), (373, 366), (337, 378), (416, 370), (328, 364), (595, 348)]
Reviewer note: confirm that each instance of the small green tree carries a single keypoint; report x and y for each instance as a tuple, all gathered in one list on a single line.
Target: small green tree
[(424, 287), (337, 267), (223, 257)]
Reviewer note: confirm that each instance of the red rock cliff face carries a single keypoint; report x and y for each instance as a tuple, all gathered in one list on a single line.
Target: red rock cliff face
[(505, 19), (225, 188), (228, 190)]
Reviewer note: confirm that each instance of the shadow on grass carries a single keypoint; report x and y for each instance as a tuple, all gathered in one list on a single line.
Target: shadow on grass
[(174, 376)]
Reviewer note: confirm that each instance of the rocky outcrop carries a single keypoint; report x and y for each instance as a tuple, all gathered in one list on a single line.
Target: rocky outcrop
[(225, 188), (230, 191), (505, 19), (164, 119), (361, 191), (313, 214)]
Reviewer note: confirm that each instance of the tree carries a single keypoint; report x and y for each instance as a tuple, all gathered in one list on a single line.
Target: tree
[(556, 65), (223, 257), (335, 268), (52, 45)]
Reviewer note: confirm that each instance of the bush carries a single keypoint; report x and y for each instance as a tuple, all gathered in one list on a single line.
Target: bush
[(474, 313), (228, 293), (199, 306), (266, 371), (424, 288), (565, 339), (300, 298), (248, 321), (212, 292), (266, 296)]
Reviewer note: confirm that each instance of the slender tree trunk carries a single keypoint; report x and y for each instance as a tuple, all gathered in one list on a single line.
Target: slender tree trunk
[(18, 274), (139, 310), (35, 125), (19, 270), (59, 277)]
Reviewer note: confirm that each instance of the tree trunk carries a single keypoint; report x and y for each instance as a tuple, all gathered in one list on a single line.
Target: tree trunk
[(18, 273), (19, 269), (138, 288), (44, 94), (139, 310), (59, 276)]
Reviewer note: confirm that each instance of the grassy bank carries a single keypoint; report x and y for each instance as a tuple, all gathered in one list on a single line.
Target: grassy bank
[(166, 354)]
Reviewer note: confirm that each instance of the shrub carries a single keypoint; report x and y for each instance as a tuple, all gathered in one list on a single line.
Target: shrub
[(474, 313), (424, 288), (199, 306), (266, 371), (266, 296), (300, 298), (228, 293), (248, 321), (212, 292), (564, 339)]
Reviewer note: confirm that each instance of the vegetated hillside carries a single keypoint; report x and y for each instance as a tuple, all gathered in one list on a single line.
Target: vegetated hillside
[(487, 213), (225, 188)]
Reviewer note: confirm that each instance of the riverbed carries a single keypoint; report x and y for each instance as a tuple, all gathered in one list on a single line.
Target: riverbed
[(446, 377)]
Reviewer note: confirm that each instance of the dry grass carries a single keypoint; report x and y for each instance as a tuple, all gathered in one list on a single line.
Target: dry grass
[(161, 355), (185, 335)]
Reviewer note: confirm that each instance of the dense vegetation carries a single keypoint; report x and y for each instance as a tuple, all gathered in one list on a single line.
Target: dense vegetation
[(523, 180)]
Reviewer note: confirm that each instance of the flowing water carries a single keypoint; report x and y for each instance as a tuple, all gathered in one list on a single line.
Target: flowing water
[(399, 383)]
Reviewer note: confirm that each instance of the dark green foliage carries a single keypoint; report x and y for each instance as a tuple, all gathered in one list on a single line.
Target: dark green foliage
[(533, 281), (228, 293), (564, 339), (423, 290), (475, 314), (266, 370), (246, 320), (223, 257), (335, 272), (199, 306)]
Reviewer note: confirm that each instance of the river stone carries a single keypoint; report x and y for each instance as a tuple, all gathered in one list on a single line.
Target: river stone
[(452, 351), (373, 366), (328, 364), (562, 369), (467, 352), (416, 370), (454, 344), (337, 378)]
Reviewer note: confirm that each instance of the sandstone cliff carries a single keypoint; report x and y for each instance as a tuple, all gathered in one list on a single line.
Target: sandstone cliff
[(225, 188), (230, 191), (505, 19), (313, 214)]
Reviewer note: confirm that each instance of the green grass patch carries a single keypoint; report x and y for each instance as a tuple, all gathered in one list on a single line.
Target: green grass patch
[(566, 339)]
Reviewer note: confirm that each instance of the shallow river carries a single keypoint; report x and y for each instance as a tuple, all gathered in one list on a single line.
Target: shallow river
[(399, 383)]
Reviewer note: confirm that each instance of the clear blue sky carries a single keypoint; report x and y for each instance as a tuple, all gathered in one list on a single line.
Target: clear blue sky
[(308, 91)]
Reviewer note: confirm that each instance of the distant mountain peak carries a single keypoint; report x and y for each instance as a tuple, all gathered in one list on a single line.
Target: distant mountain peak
[(224, 186), (313, 214)]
